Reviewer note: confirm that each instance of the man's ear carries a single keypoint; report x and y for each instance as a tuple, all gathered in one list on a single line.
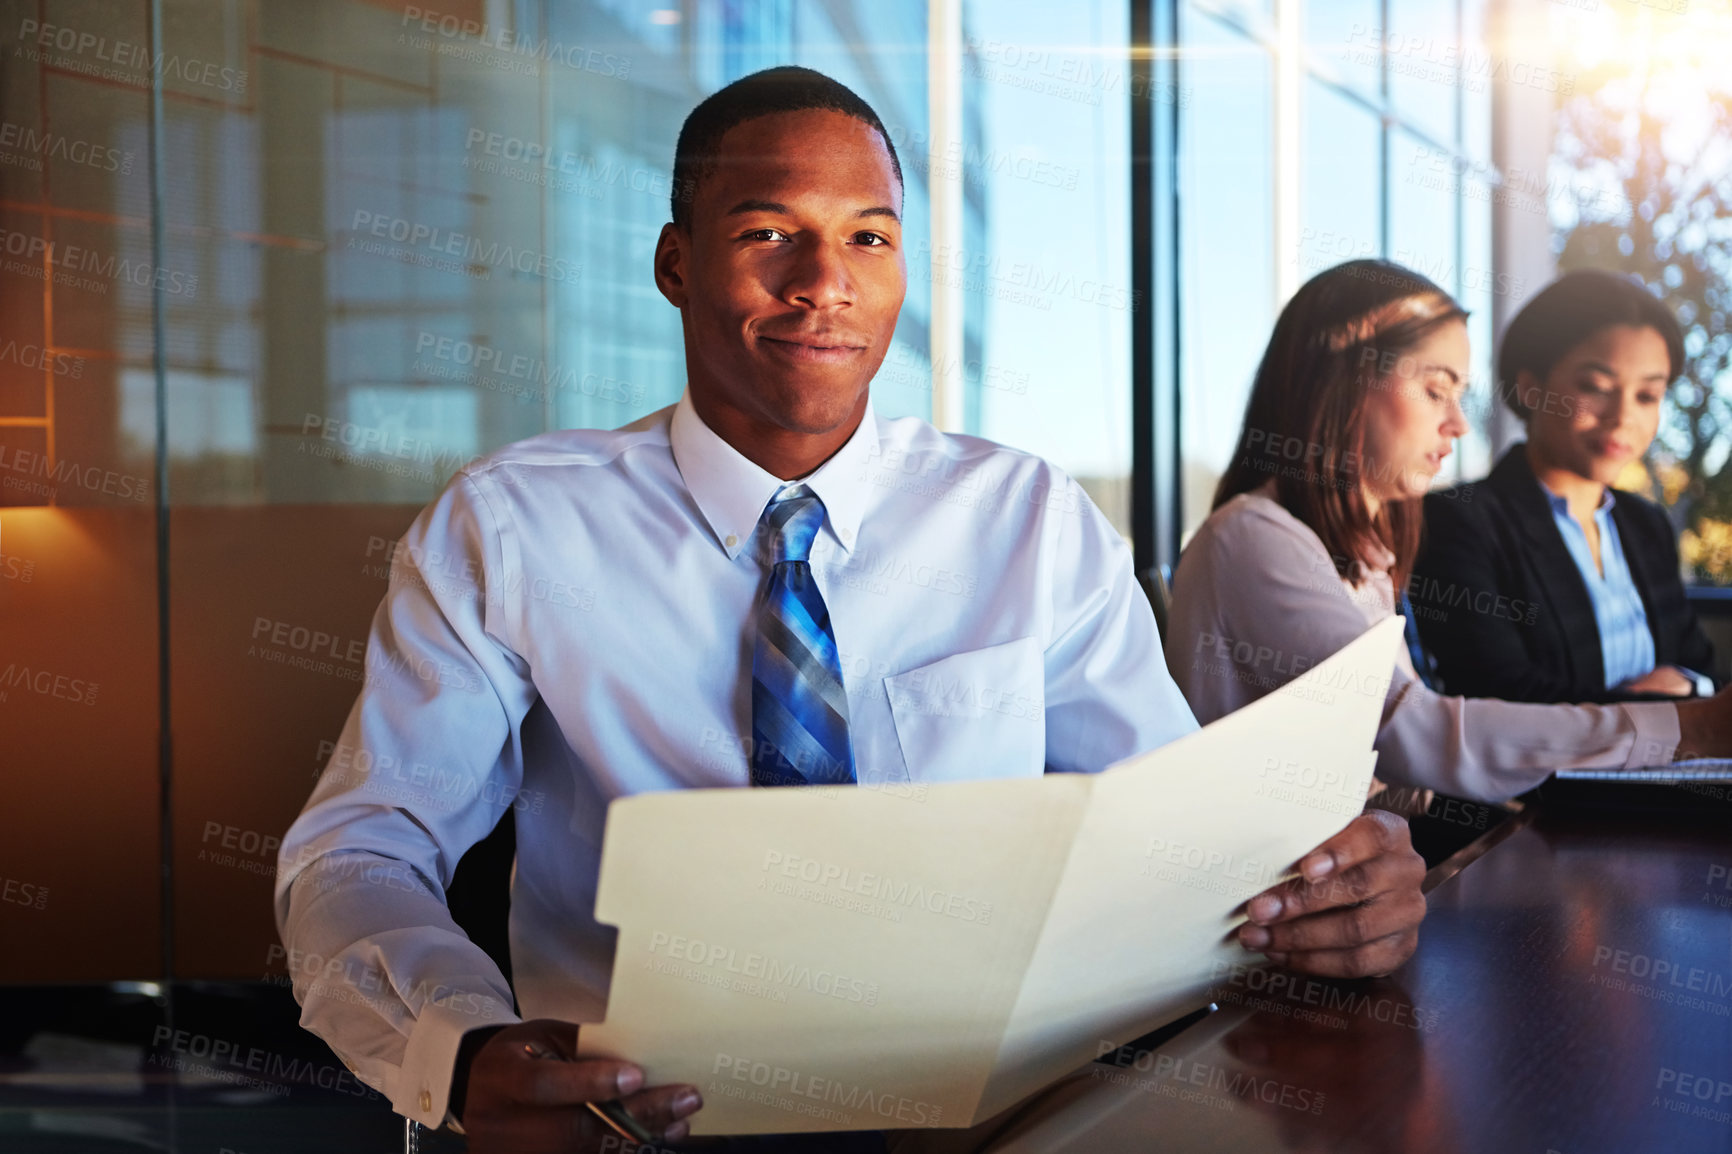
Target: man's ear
[(672, 252)]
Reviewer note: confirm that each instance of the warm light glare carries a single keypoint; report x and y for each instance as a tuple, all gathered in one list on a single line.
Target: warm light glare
[(1688, 42), (39, 530)]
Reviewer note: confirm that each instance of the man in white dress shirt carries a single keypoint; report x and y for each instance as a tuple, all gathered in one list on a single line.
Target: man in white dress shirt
[(574, 620)]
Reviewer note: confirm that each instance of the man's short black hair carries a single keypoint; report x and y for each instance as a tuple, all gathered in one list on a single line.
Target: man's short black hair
[(1570, 310), (785, 89)]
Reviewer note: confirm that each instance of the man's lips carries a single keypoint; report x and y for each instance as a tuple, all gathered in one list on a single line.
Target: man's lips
[(819, 348)]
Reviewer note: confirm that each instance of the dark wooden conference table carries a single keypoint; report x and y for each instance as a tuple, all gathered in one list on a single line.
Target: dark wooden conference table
[(1572, 994)]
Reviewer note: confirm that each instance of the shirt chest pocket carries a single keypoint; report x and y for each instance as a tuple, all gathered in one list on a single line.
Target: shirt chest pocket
[(979, 714)]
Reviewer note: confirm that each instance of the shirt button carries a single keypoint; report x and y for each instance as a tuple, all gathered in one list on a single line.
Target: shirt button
[(847, 534), (426, 1100), (730, 541)]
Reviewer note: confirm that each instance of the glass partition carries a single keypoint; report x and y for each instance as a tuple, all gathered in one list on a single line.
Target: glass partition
[(79, 689), (393, 237), (1388, 141)]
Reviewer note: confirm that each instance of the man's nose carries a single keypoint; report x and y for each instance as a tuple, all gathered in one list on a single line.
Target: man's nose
[(818, 277)]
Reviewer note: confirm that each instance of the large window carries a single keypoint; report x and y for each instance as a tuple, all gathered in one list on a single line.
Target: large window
[(1340, 178), (1228, 261), (1389, 132), (1047, 167)]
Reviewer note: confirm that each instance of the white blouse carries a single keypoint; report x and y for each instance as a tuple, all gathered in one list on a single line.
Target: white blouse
[(1257, 601)]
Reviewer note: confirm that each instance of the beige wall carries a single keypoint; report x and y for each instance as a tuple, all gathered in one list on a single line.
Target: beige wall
[(80, 819), (247, 723), (78, 754)]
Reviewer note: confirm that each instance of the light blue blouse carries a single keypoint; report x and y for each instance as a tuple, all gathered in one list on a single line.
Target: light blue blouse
[(1626, 642)]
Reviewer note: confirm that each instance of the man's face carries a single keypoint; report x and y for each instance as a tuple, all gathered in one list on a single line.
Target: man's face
[(792, 276)]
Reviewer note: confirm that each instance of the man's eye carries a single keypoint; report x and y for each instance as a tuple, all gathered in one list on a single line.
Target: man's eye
[(869, 239), (765, 234)]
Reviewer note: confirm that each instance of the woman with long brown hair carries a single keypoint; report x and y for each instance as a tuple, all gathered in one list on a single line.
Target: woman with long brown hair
[(1315, 527)]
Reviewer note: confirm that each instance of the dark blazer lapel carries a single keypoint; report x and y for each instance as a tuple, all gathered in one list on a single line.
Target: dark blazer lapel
[(1646, 536), (1565, 591)]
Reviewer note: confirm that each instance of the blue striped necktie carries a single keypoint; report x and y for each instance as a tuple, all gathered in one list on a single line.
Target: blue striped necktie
[(799, 711)]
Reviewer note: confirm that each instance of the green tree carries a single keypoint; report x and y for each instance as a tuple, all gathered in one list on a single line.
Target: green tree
[(1641, 183)]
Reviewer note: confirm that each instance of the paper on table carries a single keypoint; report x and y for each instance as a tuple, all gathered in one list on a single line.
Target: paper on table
[(840, 958)]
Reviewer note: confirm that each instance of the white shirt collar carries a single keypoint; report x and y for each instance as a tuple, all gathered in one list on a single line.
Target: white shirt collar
[(731, 491)]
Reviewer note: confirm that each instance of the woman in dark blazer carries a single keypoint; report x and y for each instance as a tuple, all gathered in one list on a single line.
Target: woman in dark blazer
[(1542, 582)]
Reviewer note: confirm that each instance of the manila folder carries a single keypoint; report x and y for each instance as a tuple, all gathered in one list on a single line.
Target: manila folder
[(845, 958)]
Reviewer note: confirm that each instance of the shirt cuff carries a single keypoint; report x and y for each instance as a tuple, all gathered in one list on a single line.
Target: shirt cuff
[(1704, 684), (1656, 737), (420, 1087)]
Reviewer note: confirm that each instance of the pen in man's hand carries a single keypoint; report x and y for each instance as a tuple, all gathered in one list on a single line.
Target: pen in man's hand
[(612, 1112)]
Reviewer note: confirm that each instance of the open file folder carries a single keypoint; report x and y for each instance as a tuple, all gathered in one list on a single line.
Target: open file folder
[(840, 958)]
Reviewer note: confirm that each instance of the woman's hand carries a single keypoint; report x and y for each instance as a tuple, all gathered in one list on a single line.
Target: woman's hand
[(1705, 727), (1664, 679)]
